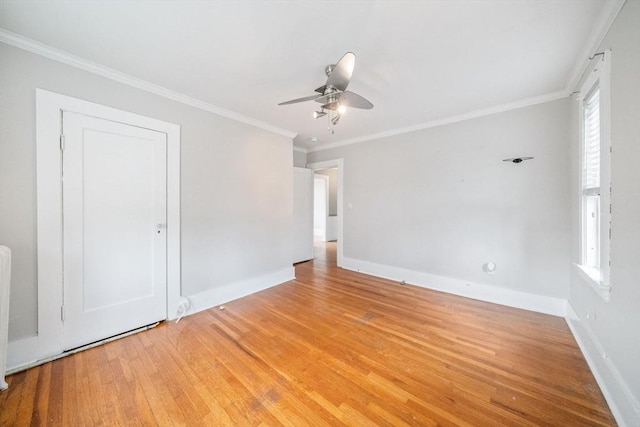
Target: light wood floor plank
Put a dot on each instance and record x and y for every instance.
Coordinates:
(332, 347)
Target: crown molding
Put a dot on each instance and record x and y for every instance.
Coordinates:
(300, 149)
(58, 55)
(453, 119)
(610, 11)
(607, 15)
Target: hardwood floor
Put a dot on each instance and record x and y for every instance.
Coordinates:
(332, 347)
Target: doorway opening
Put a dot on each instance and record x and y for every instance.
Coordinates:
(324, 228)
(327, 204)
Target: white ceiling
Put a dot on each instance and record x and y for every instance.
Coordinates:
(418, 61)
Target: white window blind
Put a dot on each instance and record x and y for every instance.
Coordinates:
(591, 161)
(591, 180)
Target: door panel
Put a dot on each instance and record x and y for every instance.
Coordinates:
(302, 214)
(114, 211)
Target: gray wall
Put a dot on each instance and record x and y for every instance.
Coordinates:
(299, 159)
(236, 214)
(333, 189)
(442, 201)
(615, 325)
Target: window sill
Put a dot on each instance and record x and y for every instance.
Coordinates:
(592, 277)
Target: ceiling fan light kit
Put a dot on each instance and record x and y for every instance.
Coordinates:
(333, 95)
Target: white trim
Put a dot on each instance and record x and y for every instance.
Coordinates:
(591, 276)
(49, 208)
(30, 363)
(600, 75)
(22, 353)
(232, 291)
(453, 119)
(300, 149)
(174, 246)
(624, 406)
(47, 51)
(5, 287)
(606, 16)
(25, 353)
(465, 288)
(339, 164)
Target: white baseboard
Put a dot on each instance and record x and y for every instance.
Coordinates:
(216, 296)
(22, 353)
(624, 406)
(479, 291)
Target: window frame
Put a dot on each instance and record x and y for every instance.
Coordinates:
(598, 75)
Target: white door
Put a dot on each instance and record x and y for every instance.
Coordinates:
(114, 234)
(302, 214)
(320, 206)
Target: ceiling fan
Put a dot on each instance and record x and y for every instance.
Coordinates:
(333, 95)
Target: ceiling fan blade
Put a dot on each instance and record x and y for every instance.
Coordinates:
(327, 99)
(342, 71)
(347, 98)
(353, 100)
(306, 98)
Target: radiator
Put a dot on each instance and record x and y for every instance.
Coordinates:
(5, 279)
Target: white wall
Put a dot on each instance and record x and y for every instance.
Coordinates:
(610, 331)
(236, 214)
(332, 220)
(437, 204)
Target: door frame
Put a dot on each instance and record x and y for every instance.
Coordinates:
(49, 107)
(325, 180)
(339, 165)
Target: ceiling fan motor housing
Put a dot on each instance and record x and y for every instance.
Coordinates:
(333, 95)
(328, 69)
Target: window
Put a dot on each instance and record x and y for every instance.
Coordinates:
(595, 188)
(591, 180)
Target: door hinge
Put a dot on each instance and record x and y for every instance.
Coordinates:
(62, 313)
(61, 142)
